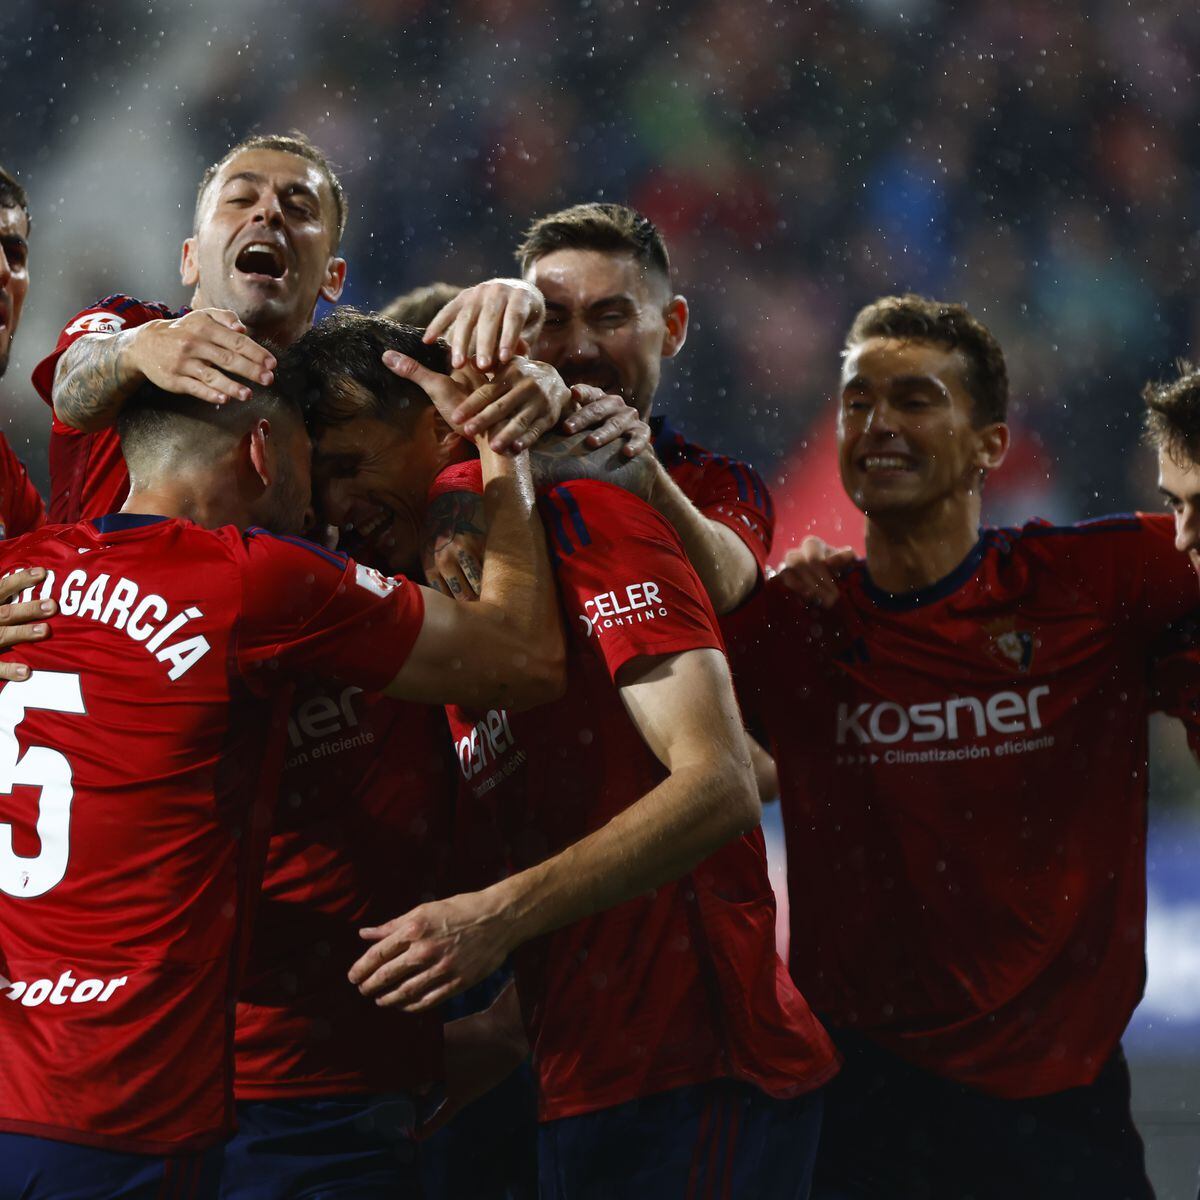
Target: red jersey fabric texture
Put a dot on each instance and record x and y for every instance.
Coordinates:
(361, 834)
(729, 492)
(21, 507)
(87, 471)
(140, 763)
(678, 986)
(963, 780)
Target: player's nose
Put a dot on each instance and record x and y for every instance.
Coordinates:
(5, 270)
(1187, 530)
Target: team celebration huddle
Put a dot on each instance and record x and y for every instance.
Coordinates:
(387, 708)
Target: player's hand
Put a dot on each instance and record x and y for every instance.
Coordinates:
(610, 418)
(812, 570)
(521, 402)
(447, 392)
(481, 1051)
(22, 622)
(205, 353)
(433, 952)
(489, 321)
(453, 545)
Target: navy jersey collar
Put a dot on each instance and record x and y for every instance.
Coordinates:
(946, 586)
(119, 521)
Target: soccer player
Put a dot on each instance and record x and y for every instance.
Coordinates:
(150, 733)
(668, 1041)
(961, 740)
(611, 317)
(268, 222)
(21, 508)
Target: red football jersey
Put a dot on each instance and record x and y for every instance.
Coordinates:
(138, 766)
(678, 986)
(87, 470)
(963, 778)
(361, 834)
(21, 507)
(723, 489)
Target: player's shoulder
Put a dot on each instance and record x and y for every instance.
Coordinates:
(257, 543)
(580, 512)
(1118, 531)
(112, 313)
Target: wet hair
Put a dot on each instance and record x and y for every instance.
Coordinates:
(1173, 415)
(291, 143)
(336, 369)
(163, 430)
(919, 319)
(609, 228)
(421, 305)
(12, 195)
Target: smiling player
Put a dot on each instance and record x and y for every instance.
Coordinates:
(961, 742)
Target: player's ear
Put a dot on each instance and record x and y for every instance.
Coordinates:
(334, 281)
(262, 451)
(675, 315)
(993, 446)
(189, 268)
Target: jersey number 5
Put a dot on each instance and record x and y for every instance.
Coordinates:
(42, 768)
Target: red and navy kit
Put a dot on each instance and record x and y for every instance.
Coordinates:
(963, 779)
(361, 831)
(729, 492)
(674, 988)
(140, 762)
(87, 470)
(21, 507)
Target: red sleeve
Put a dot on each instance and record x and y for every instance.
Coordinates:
(626, 586)
(113, 314)
(309, 612)
(21, 508)
(731, 493)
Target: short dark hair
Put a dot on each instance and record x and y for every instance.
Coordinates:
(611, 228)
(290, 143)
(1173, 415)
(12, 195)
(919, 319)
(419, 306)
(336, 369)
(158, 427)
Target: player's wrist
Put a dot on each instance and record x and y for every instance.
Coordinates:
(132, 350)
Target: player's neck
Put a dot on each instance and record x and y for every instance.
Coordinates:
(208, 508)
(278, 335)
(906, 554)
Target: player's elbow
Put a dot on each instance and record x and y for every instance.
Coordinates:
(738, 807)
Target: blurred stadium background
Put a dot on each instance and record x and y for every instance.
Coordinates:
(1036, 159)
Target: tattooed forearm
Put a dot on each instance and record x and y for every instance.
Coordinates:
(452, 516)
(92, 382)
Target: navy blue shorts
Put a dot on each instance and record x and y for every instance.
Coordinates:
(716, 1141)
(489, 1150)
(894, 1130)
(34, 1168)
(327, 1148)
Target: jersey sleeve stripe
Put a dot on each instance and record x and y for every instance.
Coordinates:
(576, 517)
(554, 517)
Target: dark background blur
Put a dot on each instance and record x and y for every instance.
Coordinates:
(1036, 160)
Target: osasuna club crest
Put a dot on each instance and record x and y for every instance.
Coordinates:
(1010, 645)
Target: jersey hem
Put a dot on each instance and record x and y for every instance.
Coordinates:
(554, 1110)
(125, 1145)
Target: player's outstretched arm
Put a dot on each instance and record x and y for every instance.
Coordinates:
(725, 564)
(506, 650)
(205, 353)
(683, 706)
